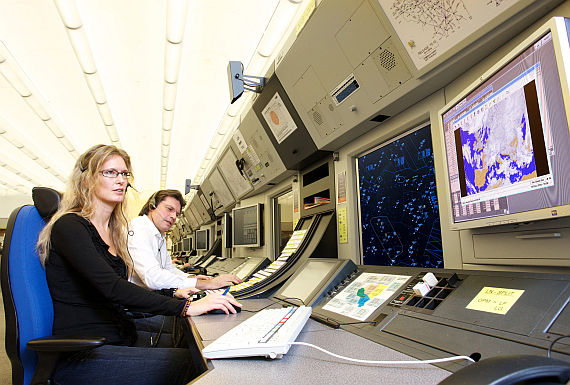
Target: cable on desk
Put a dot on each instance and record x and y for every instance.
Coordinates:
(555, 341)
(283, 300)
(435, 361)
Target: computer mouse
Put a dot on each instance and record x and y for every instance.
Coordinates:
(220, 311)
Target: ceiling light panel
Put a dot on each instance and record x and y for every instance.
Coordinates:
(49, 61)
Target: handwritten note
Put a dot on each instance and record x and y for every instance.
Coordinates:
(495, 300)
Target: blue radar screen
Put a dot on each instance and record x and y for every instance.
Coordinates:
(398, 203)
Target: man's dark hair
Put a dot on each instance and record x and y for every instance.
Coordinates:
(158, 197)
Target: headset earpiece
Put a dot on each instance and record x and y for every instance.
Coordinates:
(152, 201)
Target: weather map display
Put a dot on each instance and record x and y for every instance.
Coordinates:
(398, 203)
(365, 294)
(501, 140)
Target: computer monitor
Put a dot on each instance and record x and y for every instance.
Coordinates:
(507, 138)
(399, 216)
(310, 280)
(246, 226)
(201, 238)
(187, 244)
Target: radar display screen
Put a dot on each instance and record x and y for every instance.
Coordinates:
(399, 213)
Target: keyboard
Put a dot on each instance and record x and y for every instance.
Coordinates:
(268, 333)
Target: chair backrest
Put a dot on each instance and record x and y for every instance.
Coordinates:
(27, 301)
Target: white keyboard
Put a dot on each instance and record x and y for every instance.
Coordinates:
(268, 333)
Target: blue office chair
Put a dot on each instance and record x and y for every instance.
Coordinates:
(32, 351)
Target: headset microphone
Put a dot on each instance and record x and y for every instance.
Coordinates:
(131, 186)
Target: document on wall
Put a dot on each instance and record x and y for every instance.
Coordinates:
(429, 29)
(278, 118)
(365, 294)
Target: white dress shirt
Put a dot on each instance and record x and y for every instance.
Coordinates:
(153, 266)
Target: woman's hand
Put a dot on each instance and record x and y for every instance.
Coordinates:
(213, 301)
(185, 292)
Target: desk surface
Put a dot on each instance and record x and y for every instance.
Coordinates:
(303, 365)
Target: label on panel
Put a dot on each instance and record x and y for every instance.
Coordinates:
(430, 28)
(240, 141)
(342, 226)
(278, 118)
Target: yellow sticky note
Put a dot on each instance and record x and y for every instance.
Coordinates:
(342, 225)
(495, 300)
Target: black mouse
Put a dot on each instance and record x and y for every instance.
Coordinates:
(220, 311)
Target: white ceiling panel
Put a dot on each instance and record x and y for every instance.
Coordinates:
(127, 40)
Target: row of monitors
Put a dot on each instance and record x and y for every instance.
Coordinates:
(245, 226)
(506, 139)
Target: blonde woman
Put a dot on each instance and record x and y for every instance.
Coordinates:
(84, 251)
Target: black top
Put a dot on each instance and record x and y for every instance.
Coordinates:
(89, 286)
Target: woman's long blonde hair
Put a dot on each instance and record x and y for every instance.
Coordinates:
(79, 199)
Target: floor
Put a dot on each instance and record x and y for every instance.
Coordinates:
(5, 369)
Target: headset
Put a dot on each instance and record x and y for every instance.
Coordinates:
(152, 201)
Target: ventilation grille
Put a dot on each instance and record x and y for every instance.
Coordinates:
(387, 59)
(318, 118)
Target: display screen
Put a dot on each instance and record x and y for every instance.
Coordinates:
(246, 268)
(187, 244)
(246, 226)
(507, 141)
(201, 239)
(310, 278)
(399, 212)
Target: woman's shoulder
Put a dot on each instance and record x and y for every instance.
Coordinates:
(70, 220)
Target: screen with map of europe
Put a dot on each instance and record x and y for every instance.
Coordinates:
(507, 138)
(399, 212)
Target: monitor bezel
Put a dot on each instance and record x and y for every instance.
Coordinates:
(196, 235)
(258, 227)
(557, 27)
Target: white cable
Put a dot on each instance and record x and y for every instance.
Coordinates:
(454, 358)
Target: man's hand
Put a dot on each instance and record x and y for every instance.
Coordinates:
(223, 280)
(185, 292)
(200, 276)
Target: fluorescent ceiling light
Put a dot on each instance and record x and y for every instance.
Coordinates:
(112, 133)
(167, 119)
(172, 58)
(96, 87)
(281, 19)
(80, 45)
(169, 96)
(54, 128)
(37, 105)
(176, 13)
(105, 113)
(68, 13)
(166, 134)
(14, 78)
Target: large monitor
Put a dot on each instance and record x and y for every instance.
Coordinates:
(201, 238)
(399, 215)
(507, 137)
(246, 226)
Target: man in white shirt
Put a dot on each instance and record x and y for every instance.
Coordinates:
(153, 266)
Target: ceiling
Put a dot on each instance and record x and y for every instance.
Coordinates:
(54, 103)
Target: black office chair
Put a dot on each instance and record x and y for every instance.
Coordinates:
(32, 351)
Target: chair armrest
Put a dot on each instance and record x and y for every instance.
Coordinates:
(65, 343)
